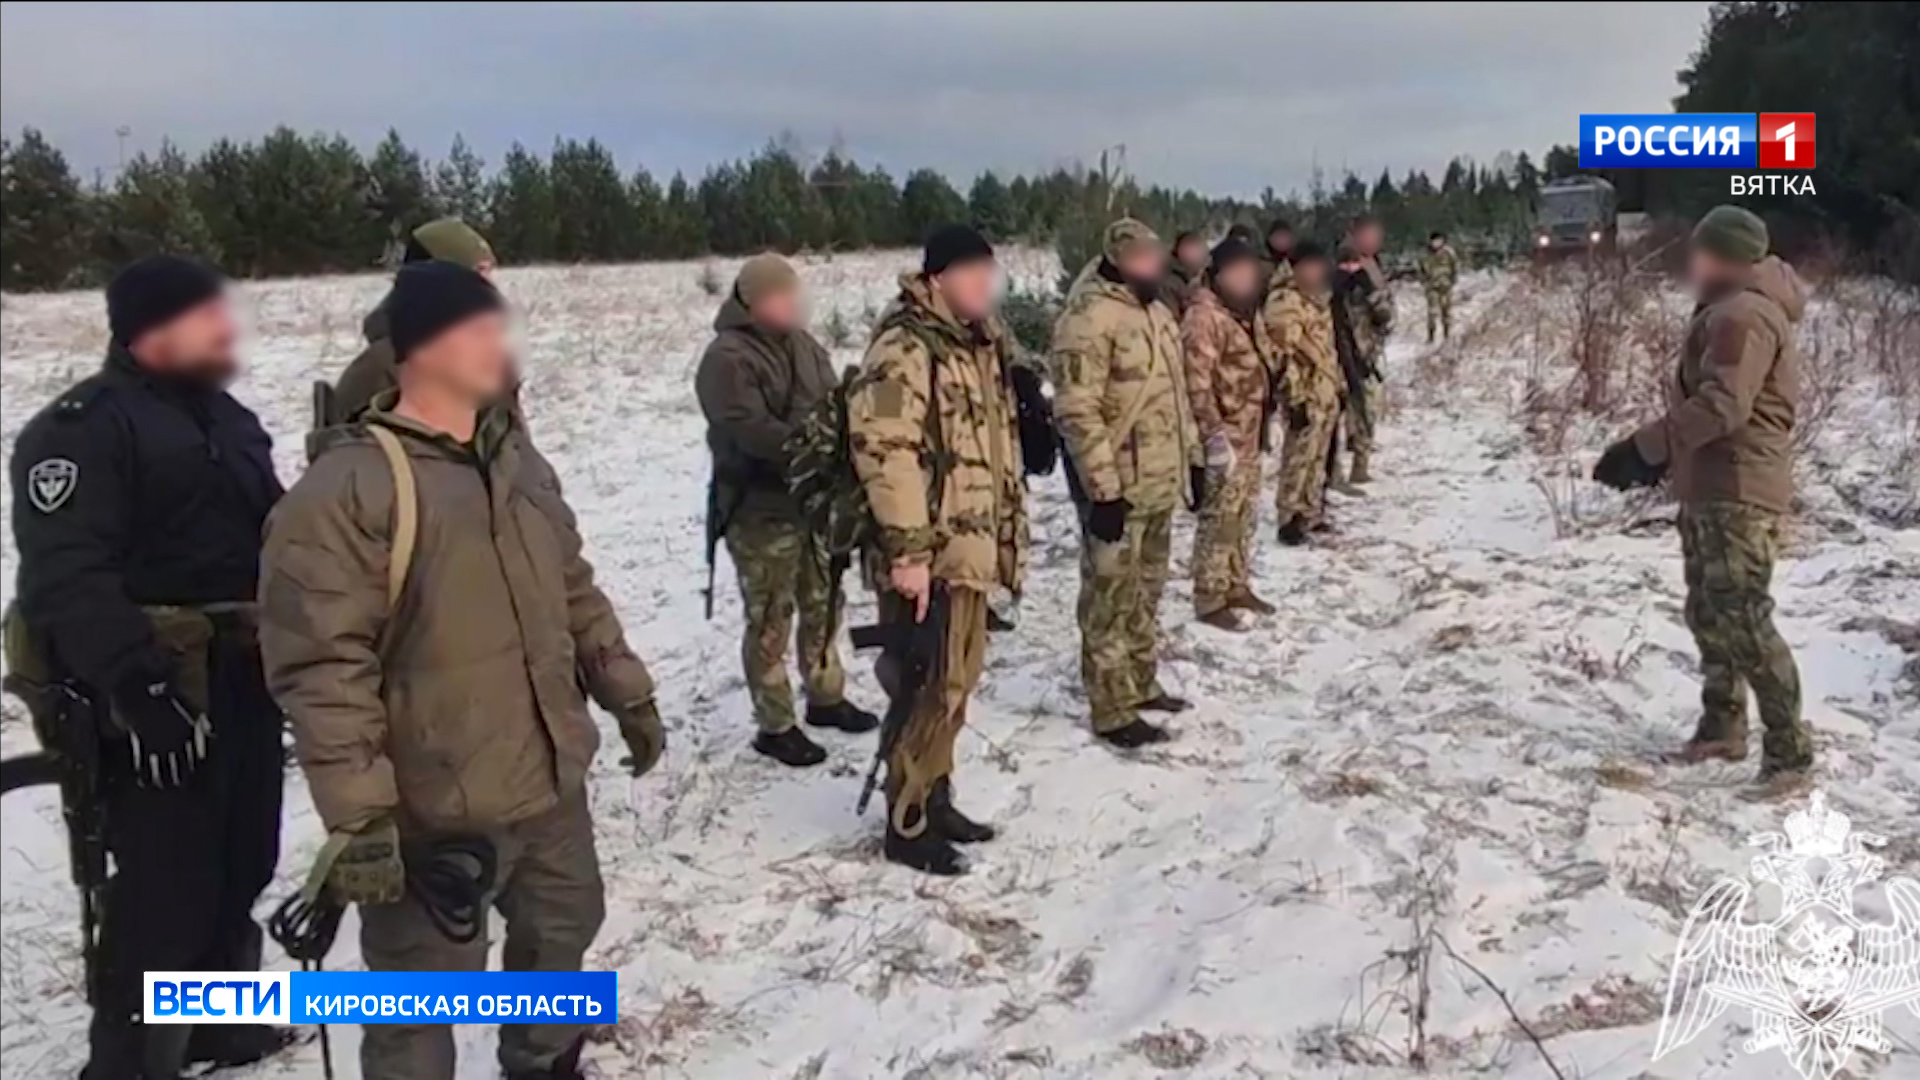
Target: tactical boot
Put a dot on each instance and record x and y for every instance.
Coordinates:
(1293, 532)
(564, 1067)
(842, 716)
(1248, 600)
(949, 822)
(1698, 751)
(227, 1046)
(930, 852)
(1228, 619)
(1135, 735)
(1780, 782)
(1362, 473)
(1165, 702)
(790, 747)
(1323, 526)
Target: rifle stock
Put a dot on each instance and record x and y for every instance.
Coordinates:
(916, 652)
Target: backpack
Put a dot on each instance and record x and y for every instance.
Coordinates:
(824, 484)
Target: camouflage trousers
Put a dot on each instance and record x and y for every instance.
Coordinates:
(1303, 464)
(1357, 424)
(923, 755)
(781, 576)
(1729, 553)
(1223, 541)
(551, 895)
(1439, 310)
(1120, 588)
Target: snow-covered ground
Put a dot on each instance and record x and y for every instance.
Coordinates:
(1431, 775)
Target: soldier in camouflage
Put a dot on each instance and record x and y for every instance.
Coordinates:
(1278, 253)
(1439, 269)
(939, 350)
(1363, 317)
(1229, 376)
(1126, 424)
(1726, 446)
(1299, 317)
(1184, 271)
(757, 382)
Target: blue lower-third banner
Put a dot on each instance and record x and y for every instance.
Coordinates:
(453, 997)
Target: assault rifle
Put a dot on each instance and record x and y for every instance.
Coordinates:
(67, 722)
(723, 501)
(913, 658)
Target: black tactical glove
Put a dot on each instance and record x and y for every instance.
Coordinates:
(1107, 521)
(1622, 468)
(167, 736)
(1196, 486)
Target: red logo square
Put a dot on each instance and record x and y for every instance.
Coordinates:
(1786, 140)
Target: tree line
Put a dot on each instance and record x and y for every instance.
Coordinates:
(293, 204)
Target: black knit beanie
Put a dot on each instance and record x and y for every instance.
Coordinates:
(156, 290)
(1230, 251)
(430, 298)
(951, 245)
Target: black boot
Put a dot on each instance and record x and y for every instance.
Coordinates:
(842, 716)
(949, 822)
(564, 1067)
(1293, 532)
(931, 852)
(227, 1046)
(790, 747)
(1136, 735)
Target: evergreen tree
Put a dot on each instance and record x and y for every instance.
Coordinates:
(592, 221)
(42, 228)
(151, 211)
(684, 226)
(992, 207)
(926, 203)
(521, 209)
(398, 196)
(460, 185)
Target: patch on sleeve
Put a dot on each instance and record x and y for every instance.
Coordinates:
(889, 400)
(51, 483)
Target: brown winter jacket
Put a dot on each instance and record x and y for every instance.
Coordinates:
(756, 388)
(978, 538)
(1728, 432)
(1229, 371)
(462, 708)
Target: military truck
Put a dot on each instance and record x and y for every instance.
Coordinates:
(1575, 215)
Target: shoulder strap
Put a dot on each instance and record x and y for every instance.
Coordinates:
(406, 512)
(1124, 429)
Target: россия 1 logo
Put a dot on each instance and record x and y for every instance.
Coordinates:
(1740, 142)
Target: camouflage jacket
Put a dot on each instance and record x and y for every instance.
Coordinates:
(1229, 371)
(1178, 293)
(977, 538)
(1302, 330)
(1109, 349)
(1439, 268)
(1369, 310)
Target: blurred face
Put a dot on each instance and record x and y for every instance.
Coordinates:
(1368, 238)
(969, 288)
(468, 360)
(1143, 262)
(1312, 274)
(1240, 280)
(1192, 254)
(781, 311)
(1435, 242)
(484, 269)
(1281, 241)
(1707, 271)
(197, 345)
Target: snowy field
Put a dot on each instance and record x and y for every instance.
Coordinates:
(1414, 825)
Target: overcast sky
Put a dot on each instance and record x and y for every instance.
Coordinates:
(1225, 97)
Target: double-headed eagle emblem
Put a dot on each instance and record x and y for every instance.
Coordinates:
(1817, 977)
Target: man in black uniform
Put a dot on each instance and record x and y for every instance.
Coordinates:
(139, 497)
